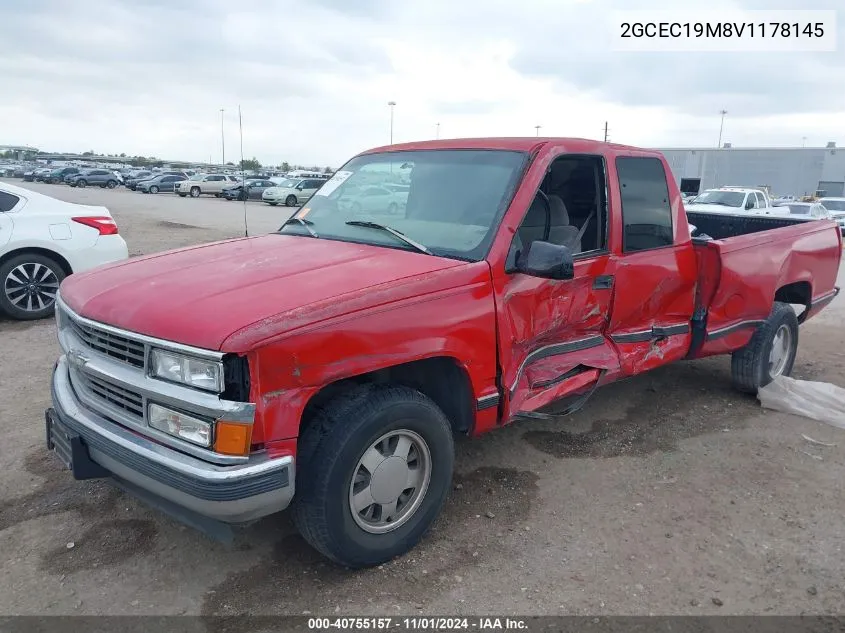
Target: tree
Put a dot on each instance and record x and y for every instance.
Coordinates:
(328, 170)
(230, 163)
(90, 152)
(251, 163)
(285, 166)
(315, 168)
(122, 155)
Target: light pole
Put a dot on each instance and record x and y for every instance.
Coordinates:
(437, 133)
(803, 141)
(537, 130)
(392, 104)
(721, 127)
(222, 138)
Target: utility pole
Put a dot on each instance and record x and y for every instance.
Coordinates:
(721, 127)
(222, 138)
(605, 131)
(437, 133)
(392, 104)
(803, 141)
(537, 129)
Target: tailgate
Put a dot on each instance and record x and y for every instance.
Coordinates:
(740, 277)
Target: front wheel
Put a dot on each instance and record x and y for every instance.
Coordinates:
(770, 352)
(272, 204)
(182, 195)
(195, 192)
(290, 201)
(375, 469)
(154, 189)
(81, 183)
(111, 184)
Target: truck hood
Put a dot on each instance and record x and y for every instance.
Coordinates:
(203, 294)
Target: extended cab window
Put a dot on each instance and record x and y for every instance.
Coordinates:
(646, 212)
(7, 201)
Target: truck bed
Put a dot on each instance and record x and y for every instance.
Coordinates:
(753, 261)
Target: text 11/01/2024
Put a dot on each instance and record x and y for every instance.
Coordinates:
(745, 31)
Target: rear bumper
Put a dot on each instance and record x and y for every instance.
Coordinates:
(107, 249)
(231, 494)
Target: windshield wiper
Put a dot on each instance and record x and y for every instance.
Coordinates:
(306, 223)
(393, 232)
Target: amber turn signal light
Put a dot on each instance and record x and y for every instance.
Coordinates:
(232, 438)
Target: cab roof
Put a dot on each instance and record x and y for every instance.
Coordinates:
(529, 144)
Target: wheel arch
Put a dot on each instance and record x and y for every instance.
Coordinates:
(796, 293)
(440, 378)
(45, 252)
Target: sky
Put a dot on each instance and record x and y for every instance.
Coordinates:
(313, 79)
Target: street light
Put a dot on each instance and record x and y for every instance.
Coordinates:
(721, 127)
(222, 138)
(392, 104)
(537, 129)
(437, 134)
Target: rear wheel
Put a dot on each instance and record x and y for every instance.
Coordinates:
(290, 201)
(770, 352)
(195, 192)
(30, 283)
(111, 184)
(375, 469)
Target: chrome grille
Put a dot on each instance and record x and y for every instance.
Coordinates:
(126, 400)
(114, 345)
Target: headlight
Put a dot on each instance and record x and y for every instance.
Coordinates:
(187, 370)
(180, 425)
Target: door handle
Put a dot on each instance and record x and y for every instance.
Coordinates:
(603, 282)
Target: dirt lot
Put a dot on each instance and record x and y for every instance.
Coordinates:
(668, 494)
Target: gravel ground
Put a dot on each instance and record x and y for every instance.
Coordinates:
(668, 494)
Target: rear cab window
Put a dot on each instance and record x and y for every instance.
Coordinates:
(646, 210)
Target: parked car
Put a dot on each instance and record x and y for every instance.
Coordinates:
(200, 184)
(159, 183)
(379, 199)
(292, 192)
(733, 200)
(104, 178)
(836, 206)
(41, 175)
(328, 365)
(254, 188)
(808, 210)
(20, 172)
(42, 241)
(136, 177)
(59, 175)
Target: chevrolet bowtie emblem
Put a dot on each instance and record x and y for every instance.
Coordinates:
(75, 357)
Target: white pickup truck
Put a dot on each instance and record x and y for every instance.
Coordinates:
(735, 200)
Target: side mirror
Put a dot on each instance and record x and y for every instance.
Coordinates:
(546, 260)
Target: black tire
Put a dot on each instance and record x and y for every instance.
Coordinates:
(30, 262)
(195, 192)
(111, 184)
(154, 189)
(750, 365)
(291, 201)
(182, 195)
(328, 454)
(82, 183)
(272, 204)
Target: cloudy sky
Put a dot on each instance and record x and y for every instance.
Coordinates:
(313, 78)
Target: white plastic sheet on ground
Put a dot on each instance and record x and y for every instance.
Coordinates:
(815, 400)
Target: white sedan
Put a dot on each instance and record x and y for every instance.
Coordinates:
(42, 241)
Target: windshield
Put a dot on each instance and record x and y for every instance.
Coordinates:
(833, 205)
(288, 183)
(726, 198)
(449, 201)
(197, 177)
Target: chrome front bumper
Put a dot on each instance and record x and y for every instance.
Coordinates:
(228, 493)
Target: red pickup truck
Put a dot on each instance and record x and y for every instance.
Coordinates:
(426, 290)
